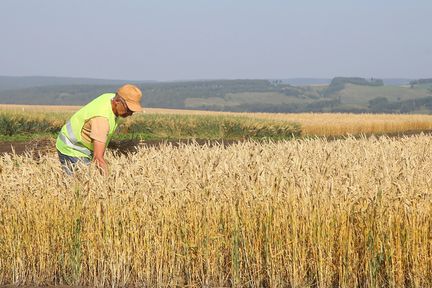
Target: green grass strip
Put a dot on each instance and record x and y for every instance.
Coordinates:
(30, 126)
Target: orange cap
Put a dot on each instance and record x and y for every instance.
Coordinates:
(132, 95)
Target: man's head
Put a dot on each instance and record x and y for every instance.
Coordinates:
(127, 101)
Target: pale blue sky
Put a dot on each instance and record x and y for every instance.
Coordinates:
(192, 39)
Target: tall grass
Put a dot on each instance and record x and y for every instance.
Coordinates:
(304, 213)
(210, 127)
(19, 124)
(154, 126)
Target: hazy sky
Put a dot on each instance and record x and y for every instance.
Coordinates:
(208, 39)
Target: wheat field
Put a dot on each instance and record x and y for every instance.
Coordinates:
(301, 213)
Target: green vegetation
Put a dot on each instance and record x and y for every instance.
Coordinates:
(407, 106)
(211, 127)
(421, 82)
(338, 84)
(17, 126)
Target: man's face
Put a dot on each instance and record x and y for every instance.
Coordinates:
(122, 108)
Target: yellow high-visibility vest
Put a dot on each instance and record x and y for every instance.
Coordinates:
(69, 141)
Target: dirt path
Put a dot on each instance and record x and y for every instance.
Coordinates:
(43, 146)
(125, 146)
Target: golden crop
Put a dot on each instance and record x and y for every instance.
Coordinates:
(302, 213)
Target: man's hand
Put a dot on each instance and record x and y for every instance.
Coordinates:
(98, 157)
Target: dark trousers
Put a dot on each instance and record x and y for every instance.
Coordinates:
(69, 164)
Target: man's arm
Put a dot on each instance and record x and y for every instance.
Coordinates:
(98, 135)
(98, 156)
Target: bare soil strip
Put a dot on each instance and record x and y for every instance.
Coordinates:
(125, 146)
(41, 146)
(45, 146)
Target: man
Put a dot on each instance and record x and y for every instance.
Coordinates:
(87, 133)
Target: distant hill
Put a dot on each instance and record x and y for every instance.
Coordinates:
(339, 83)
(192, 94)
(341, 94)
(396, 81)
(306, 81)
(427, 82)
(327, 81)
